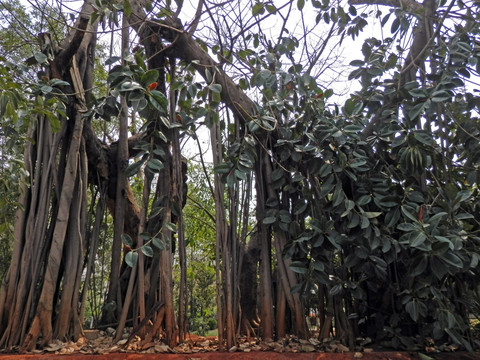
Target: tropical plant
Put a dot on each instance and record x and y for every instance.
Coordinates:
(365, 211)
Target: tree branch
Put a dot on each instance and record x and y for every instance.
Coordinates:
(67, 53)
(411, 6)
(193, 26)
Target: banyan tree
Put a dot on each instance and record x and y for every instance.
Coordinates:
(361, 215)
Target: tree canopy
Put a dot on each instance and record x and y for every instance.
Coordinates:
(357, 206)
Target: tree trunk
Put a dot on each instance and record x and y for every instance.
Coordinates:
(266, 285)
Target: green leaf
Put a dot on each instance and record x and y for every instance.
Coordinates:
(419, 267)
(338, 196)
(58, 82)
(53, 120)
(134, 168)
(241, 175)
(277, 174)
(149, 77)
(407, 213)
(417, 239)
(413, 309)
(216, 88)
(437, 217)
(395, 25)
(300, 4)
(336, 290)
(298, 267)
(223, 168)
(271, 8)
(158, 243)
(155, 165)
(131, 258)
(112, 60)
(357, 63)
(126, 239)
(418, 93)
(317, 265)
(46, 89)
(269, 220)
(443, 239)
(463, 195)
(407, 227)
(365, 222)
(147, 250)
(349, 107)
(416, 110)
(357, 163)
(40, 57)
(464, 216)
(364, 200)
(452, 259)
(158, 100)
(171, 226)
(353, 128)
(130, 85)
(372, 214)
(300, 207)
(258, 9)
(441, 96)
(424, 138)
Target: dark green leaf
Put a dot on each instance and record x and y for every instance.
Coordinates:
(424, 138)
(420, 266)
(407, 213)
(131, 258)
(155, 165)
(365, 222)
(127, 240)
(134, 168)
(298, 267)
(452, 259)
(223, 168)
(149, 77)
(338, 196)
(277, 174)
(158, 243)
(147, 250)
(258, 9)
(407, 227)
(413, 309)
(269, 220)
(300, 207)
(112, 60)
(417, 239)
(416, 111)
(158, 100)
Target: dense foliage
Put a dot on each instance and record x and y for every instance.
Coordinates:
(384, 220)
(360, 209)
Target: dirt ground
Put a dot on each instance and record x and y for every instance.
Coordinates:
(99, 347)
(389, 355)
